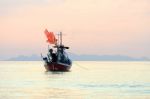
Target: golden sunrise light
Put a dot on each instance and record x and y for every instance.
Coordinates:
(101, 26)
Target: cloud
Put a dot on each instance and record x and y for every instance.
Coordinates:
(18, 3)
(7, 6)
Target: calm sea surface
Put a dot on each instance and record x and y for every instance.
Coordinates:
(86, 80)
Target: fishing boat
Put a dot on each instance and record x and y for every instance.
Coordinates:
(58, 60)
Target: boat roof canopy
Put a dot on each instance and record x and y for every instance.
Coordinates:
(61, 46)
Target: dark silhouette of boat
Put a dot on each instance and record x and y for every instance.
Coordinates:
(58, 60)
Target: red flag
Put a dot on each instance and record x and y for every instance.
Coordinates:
(50, 37)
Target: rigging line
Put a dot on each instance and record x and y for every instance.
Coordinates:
(80, 66)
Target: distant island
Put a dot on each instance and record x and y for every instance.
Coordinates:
(76, 57)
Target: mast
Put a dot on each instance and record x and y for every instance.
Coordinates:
(59, 41)
(60, 38)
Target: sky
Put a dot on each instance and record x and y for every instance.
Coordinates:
(100, 27)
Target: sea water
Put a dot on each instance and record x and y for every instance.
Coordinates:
(86, 80)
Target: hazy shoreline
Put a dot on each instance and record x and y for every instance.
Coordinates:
(76, 57)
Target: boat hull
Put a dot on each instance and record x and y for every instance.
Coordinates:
(57, 67)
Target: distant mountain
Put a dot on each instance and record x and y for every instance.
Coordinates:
(25, 58)
(76, 57)
(106, 58)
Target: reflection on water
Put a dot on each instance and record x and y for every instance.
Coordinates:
(87, 80)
